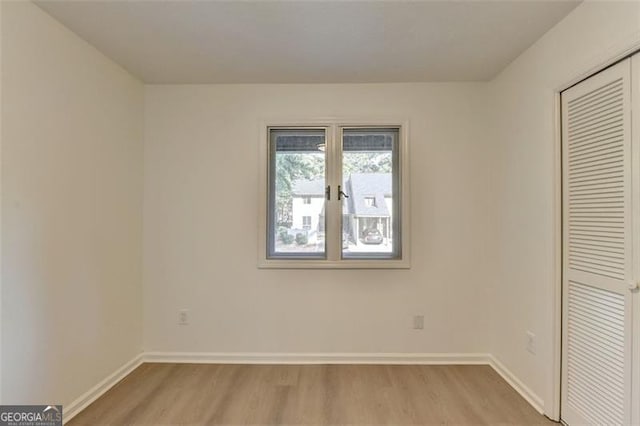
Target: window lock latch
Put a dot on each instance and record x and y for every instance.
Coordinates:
(341, 194)
(327, 192)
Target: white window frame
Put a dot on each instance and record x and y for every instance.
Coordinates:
(333, 128)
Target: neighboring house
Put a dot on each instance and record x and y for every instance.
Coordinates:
(369, 205)
(308, 205)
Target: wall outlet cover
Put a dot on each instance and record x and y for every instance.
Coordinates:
(183, 317)
(531, 342)
(418, 322)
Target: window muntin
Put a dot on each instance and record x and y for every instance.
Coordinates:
(297, 171)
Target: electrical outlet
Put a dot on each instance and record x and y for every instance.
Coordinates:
(531, 342)
(418, 322)
(183, 317)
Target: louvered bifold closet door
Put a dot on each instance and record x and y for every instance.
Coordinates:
(596, 358)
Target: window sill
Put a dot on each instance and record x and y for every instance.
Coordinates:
(327, 264)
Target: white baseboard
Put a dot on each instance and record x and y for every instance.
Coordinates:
(534, 400)
(315, 358)
(71, 410)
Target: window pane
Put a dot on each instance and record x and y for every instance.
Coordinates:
(370, 219)
(297, 193)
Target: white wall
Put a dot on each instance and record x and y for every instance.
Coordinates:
(72, 131)
(200, 226)
(521, 126)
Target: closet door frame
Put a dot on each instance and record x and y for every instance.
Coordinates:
(635, 223)
(627, 49)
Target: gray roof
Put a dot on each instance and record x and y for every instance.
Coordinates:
(359, 186)
(308, 188)
(363, 185)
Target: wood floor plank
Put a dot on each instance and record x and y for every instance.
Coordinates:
(310, 395)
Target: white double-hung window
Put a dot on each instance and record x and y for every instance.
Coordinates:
(334, 195)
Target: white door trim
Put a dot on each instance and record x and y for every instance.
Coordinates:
(552, 409)
(635, 223)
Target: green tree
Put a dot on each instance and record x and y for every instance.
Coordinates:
(366, 162)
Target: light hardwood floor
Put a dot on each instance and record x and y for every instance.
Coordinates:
(201, 394)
